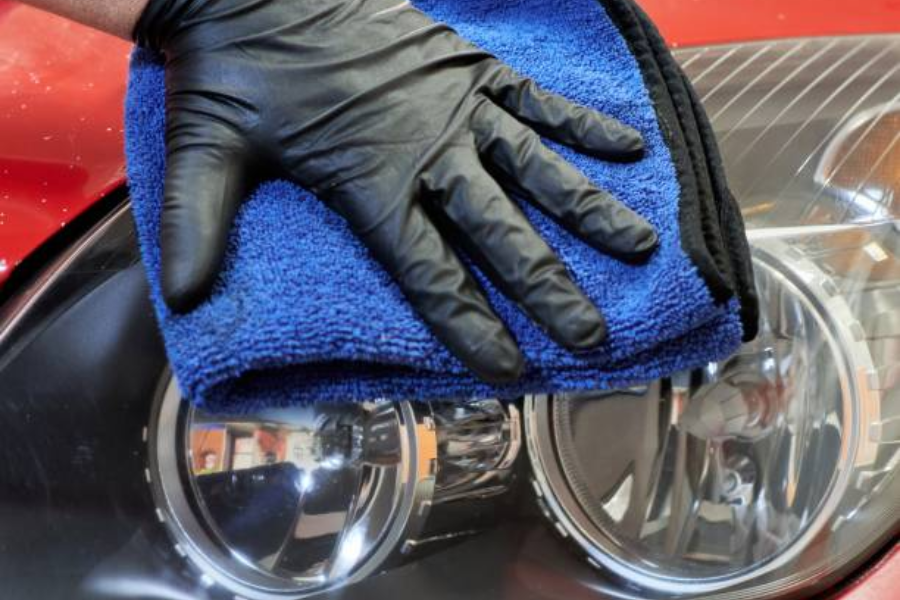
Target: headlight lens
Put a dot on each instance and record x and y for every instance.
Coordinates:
(777, 468)
(294, 501)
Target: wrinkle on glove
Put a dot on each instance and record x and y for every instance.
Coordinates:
(302, 312)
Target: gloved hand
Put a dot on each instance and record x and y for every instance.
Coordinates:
(406, 130)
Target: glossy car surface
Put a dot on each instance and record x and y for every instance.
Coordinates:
(61, 89)
(63, 84)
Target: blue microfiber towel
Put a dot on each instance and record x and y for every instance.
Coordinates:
(302, 313)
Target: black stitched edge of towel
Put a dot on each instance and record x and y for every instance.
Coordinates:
(680, 98)
(732, 221)
(700, 136)
(700, 236)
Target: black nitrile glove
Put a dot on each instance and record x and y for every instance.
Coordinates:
(395, 122)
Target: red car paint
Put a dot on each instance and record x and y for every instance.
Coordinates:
(880, 582)
(61, 90)
(701, 22)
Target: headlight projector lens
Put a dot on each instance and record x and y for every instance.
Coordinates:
(285, 503)
(742, 479)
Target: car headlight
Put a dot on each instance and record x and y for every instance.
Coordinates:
(293, 501)
(777, 469)
(774, 473)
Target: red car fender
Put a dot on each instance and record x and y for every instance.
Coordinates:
(61, 89)
(879, 582)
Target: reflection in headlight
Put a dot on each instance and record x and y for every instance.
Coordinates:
(861, 165)
(303, 499)
(303, 493)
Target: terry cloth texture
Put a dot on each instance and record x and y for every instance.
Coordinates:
(302, 313)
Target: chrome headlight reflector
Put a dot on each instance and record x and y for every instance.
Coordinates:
(762, 469)
(290, 502)
(295, 500)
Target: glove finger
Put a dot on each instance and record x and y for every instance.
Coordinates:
(206, 180)
(541, 175)
(440, 289)
(503, 241)
(556, 118)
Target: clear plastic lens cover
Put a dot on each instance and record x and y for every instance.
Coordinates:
(809, 129)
